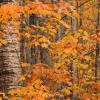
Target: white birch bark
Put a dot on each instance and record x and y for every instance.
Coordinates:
(10, 67)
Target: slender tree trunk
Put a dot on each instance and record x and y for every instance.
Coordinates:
(81, 14)
(74, 69)
(97, 59)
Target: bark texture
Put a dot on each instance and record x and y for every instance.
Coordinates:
(74, 25)
(10, 69)
(97, 58)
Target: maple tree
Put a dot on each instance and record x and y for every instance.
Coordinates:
(43, 30)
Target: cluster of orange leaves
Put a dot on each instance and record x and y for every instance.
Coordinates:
(36, 86)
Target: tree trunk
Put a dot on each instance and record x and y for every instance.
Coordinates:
(74, 68)
(97, 58)
(10, 68)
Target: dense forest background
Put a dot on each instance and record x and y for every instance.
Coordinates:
(49, 50)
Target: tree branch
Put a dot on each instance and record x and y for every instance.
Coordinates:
(83, 3)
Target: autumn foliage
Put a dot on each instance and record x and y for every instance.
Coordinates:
(55, 81)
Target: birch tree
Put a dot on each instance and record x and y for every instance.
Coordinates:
(10, 64)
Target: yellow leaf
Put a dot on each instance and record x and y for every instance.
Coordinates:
(22, 77)
(85, 33)
(43, 39)
(90, 71)
(80, 30)
(27, 35)
(12, 92)
(25, 64)
(81, 71)
(85, 66)
(44, 45)
(77, 35)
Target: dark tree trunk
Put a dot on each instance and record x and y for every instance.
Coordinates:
(97, 59)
